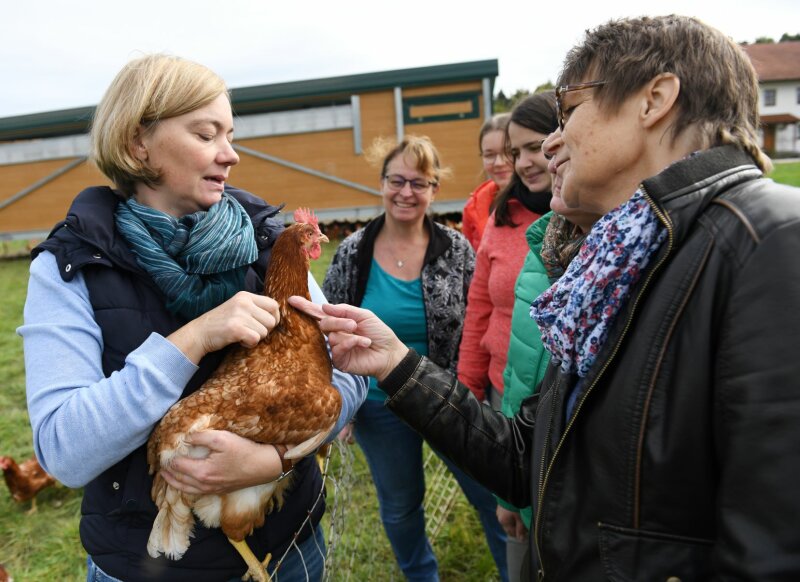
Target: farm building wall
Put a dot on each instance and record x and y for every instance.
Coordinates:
(299, 150)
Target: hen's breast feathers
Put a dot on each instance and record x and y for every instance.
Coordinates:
(277, 392)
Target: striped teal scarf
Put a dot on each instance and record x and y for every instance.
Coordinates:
(199, 260)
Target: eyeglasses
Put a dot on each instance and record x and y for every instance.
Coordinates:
(490, 158)
(395, 183)
(566, 89)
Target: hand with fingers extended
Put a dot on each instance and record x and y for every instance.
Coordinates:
(222, 462)
(360, 342)
(246, 318)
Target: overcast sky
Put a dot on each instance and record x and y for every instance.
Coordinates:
(57, 54)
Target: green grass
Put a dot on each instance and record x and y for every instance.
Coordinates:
(45, 545)
(786, 173)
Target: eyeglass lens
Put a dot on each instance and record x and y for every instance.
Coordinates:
(396, 183)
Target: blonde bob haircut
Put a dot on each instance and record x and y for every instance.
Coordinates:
(419, 150)
(145, 91)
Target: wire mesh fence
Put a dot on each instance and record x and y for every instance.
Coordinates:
(357, 549)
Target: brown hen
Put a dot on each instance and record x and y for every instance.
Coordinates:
(277, 392)
(26, 480)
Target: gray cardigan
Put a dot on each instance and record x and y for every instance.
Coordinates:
(446, 274)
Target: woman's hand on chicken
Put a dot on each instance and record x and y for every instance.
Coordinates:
(360, 342)
(246, 318)
(232, 463)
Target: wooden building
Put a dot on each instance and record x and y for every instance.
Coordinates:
(301, 143)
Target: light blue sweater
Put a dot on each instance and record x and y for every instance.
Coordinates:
(78, 431)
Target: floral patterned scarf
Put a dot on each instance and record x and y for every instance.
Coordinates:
(576, 313)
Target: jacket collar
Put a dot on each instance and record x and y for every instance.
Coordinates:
(687, 187)
(91, 220)
(438, 244)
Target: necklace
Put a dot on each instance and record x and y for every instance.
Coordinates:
(410, 250)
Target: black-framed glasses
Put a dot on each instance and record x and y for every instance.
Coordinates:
(395, 183)
(566, 89)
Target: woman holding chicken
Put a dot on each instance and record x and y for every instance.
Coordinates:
(135, 294)
(415, 273)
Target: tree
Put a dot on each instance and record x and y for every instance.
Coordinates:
(504, 103)
(501, 103)
(765, 40)
(786, 37)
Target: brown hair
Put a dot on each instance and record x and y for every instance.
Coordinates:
(537, 113)
(418, 148)
(144, 92)
(497, 122)
(719, 87)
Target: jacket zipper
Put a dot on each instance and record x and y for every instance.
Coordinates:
(664, 219)
(540, 489)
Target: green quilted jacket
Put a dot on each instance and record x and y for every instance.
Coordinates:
(527, 358)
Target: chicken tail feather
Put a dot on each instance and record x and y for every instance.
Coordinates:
(173, 525)
(308, 446)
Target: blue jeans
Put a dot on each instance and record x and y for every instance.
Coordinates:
(95, 574)
(394, 454)
(305, 562)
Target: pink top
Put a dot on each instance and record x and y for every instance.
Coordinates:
(484, 343)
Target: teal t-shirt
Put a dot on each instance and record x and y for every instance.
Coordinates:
(399, 304)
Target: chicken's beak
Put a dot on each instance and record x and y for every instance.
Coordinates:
(323, 238)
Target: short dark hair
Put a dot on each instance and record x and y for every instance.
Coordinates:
(536, 112)
(719, 87)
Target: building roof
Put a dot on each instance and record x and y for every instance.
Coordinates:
(779, 61)
(263, 98)
(779, 118)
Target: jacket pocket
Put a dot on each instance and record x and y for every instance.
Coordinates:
(630, 555)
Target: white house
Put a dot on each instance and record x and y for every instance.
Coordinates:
(778, 68)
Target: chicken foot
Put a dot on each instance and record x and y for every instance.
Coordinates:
(255, 569)
(32, 510)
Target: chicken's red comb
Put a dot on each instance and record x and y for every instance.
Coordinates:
(306, 215)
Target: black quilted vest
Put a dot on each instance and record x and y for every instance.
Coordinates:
(117, 511)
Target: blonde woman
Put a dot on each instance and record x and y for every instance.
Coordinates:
(135, 294)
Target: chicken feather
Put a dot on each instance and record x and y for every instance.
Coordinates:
(277, 392)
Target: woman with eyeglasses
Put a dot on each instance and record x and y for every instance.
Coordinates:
(663, 436)
(415, 274)
(503, 248)
(136, 294)
(491, 141)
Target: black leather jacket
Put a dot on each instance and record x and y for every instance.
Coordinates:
(682, 455)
